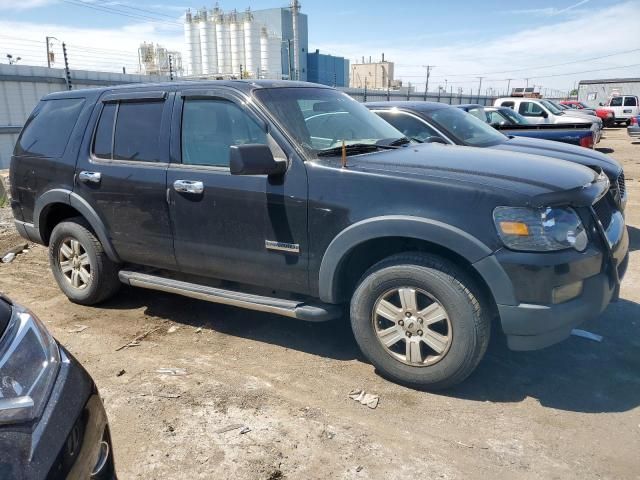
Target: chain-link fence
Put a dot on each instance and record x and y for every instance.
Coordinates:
(366, 95)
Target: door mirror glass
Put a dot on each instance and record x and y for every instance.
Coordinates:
(544, 114)
(254, 159)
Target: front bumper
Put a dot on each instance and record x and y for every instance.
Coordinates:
(534, 321)
(65, 442)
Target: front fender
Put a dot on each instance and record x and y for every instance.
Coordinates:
(439, 233)
(74, 200)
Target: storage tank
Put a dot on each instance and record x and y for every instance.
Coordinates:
(223, 44)
(192, 42)
(275, 57)
(252, 51)
(237, 43)
(264, 53)
(209, 53)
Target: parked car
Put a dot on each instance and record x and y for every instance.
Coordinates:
(52, 421)
(294, 199)
(607, 115)
(581, 111)
(511, 123)
(624, 107)
(634, 127)
(543, 111)
(430, 121)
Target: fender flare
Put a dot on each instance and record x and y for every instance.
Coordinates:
(433, 231)
(74, 200)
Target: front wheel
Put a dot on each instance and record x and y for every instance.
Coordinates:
(420, 320)
(82, 269)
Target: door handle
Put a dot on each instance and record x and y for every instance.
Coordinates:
(188, 186)
(90, 177)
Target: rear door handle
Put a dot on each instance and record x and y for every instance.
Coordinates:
(90, 177)
(188, 186)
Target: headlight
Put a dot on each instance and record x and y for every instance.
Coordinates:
(29, 363)
(540, 229)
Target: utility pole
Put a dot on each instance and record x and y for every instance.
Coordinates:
(527, 79)
(426, 84)
(508, 85)
(479, 87)
(50, 55)
(66, 66)
(171, 68)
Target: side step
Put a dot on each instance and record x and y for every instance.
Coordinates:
(287, 308)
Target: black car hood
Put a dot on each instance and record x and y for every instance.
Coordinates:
(525, 174)
(563, 151)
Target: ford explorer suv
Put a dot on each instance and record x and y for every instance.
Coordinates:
(294, 199)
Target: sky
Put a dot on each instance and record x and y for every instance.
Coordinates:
(552, 43)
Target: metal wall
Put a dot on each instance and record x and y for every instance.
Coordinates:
(327, 69)
(22, 86)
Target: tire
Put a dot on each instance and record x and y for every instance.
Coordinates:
(82, 269)
(443, 288)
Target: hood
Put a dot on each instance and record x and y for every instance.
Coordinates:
(570, 117)
(486, 168)
(563, 151)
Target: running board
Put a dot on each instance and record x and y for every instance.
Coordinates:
(287, 308)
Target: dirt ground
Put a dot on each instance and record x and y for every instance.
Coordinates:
(567, 412)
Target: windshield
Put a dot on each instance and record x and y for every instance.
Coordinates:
(514, 116)
(320, 119)
(555, 110)
(464, 128)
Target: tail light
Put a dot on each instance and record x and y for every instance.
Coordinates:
(634, 120)
(587, 142)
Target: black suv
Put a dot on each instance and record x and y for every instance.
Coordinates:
(294, 199)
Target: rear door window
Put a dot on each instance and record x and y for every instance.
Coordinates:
(47, 131)
(508, 104)
(137, 132)
(630, 101)
(103, 141)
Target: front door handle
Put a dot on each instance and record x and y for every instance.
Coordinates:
(188, 186)
(90, 177)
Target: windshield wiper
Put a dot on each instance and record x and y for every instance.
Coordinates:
(354, 148)
(398, 142)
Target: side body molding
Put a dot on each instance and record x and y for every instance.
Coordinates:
(74, 200)
(439, 233)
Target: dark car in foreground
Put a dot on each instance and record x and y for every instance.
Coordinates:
(52, 421)
(292, 198)
(430, 121)
(511, 123)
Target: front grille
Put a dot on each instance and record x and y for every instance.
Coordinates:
(621, 185)
(604, 210)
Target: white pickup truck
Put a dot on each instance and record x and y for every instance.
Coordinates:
(539, 110)
(625, 107)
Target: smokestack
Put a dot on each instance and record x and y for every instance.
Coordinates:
(382, 57)
(369, 58)
(295, 8)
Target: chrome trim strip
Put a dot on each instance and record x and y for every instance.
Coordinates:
(282, 246)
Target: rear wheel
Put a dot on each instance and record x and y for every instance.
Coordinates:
(420, 320)
(83, 271)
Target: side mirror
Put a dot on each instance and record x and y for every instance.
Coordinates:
(544, 115)
(601, 104)
(254, 159)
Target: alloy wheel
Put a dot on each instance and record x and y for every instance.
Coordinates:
(74, 263)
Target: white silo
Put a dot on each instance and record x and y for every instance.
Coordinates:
(252, 51)
(237, 43)
(192, 44)
(208, 42)
(223, 44)
(264, 53)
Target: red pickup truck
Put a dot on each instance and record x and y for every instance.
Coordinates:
(607, 115)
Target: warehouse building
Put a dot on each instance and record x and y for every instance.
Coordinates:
(327, 69)
(373, 75)
(270, 43)
(595, 92)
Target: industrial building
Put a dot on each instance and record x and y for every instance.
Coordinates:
(270, 43)
(373, 75)
(594, 92)
(157, 60)
(327, 69)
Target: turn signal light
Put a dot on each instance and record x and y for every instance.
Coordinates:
(514, 228)
(587, 142)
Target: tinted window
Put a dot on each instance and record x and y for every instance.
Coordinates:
(102, 142)
(478, 113)
(137, 134)
(630, 101)
(530, 109)
(210, 127)
(508, 104)
(616, 102)
(410, 126)
(495, 118)
(48, 129)
(463, 128)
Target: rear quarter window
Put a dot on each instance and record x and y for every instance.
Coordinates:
(49, 127)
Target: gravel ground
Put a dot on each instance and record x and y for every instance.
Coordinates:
(570, 411)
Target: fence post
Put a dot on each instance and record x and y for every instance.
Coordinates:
(365, 92)
(66, 66)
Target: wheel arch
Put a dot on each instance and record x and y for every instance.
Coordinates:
(364, 243)
(57, 205)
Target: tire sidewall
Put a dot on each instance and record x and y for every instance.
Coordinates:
(441, 287)
(72, 230)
